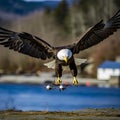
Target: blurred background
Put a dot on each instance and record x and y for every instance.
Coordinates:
(57, 21)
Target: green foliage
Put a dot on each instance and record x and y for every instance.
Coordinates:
(117, 2)
(61, 14)
(84, 5)
(47, 10)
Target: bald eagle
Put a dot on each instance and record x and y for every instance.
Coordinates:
(64, 55)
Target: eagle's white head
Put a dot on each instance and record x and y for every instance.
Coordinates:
(64, 54)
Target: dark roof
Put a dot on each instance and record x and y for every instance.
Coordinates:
(110, 64)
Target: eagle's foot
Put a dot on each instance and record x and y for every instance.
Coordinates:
(58, 81)
(75, 81)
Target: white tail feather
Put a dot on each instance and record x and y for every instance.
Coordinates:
(79, 61)
(50, 64)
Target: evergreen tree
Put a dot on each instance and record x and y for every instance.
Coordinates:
(61, 13)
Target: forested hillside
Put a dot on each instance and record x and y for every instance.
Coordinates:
(63, 25)
(23, 7)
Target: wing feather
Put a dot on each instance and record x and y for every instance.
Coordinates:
(26, 43)
(97, 33)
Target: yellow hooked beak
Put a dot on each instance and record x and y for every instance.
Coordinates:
(66, 59)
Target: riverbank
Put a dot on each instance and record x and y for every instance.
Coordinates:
(43, 77)
(87, 114)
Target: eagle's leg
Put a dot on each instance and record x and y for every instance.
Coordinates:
(73, 69)
(58, 71)
(75, 81)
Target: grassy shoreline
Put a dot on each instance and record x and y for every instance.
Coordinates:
(87, 114)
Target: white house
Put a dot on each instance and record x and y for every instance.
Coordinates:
(108, 69)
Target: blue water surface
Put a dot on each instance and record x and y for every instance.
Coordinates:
(36, 97)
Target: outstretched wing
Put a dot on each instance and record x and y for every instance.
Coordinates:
(26, 43)
(98, 33)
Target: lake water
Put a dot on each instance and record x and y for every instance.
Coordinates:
(36, 97)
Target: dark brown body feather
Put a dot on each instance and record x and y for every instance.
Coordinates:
(71, 64)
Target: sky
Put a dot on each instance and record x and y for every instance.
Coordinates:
(42, 0)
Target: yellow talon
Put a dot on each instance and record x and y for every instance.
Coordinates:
(58, 81)
(75, 81)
